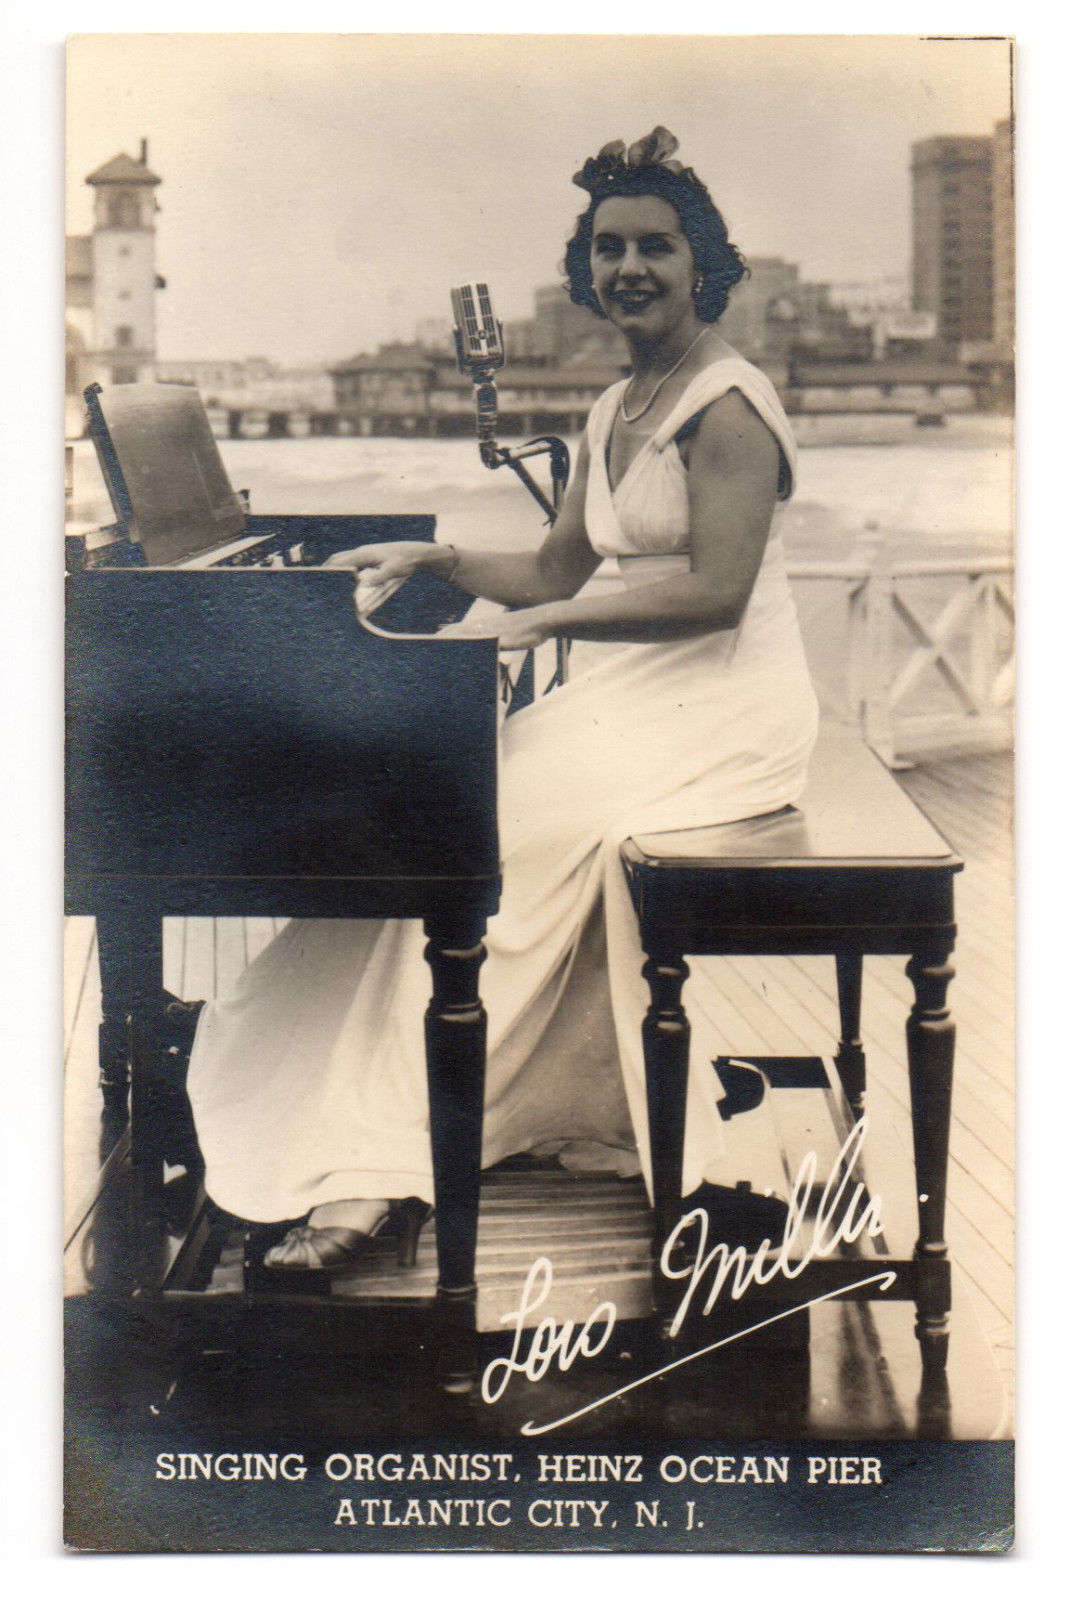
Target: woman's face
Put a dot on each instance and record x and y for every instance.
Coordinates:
(642, 266)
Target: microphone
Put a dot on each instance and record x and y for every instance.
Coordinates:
(480, 345)
(477, 331)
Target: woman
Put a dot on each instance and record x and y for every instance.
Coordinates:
(308, 1086)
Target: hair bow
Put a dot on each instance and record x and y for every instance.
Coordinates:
(615, 159)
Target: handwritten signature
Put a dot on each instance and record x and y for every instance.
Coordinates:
(844, 1213)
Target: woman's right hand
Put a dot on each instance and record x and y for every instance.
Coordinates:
(382, 564)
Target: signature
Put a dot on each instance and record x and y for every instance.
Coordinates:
(844, 1213)
(548, 1342)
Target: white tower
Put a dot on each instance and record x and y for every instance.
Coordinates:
(124, 280)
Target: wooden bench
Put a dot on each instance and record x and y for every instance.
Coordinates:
(854, 870)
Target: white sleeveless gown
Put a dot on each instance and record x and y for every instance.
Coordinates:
(308, 1083)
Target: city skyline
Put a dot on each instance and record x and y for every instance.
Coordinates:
(320, 194)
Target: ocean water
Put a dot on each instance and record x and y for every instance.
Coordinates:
(938, 491)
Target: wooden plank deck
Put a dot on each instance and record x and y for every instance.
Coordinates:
(764, 1006)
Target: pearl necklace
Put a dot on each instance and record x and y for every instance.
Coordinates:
(660, 383)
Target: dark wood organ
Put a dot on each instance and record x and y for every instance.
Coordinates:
(240, 743)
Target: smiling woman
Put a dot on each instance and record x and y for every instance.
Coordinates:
(308, 1083)
(686, 211)
(643, 270)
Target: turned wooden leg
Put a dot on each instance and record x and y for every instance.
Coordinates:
(666, 1045)
(850, 1056)
(931, 1051)
(142, 938)
(456, 1036)
(146, 1044)
(113, 1037)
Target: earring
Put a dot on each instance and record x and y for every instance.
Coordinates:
(697, 290)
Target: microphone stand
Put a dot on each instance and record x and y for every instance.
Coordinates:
(495, 455)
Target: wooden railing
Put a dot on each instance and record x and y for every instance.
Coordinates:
(918, 653)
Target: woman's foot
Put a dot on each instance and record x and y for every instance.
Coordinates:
(334, 1237)
(363, 1216)
(337, 1234)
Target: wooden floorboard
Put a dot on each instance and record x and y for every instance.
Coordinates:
(174, 950)
(983, 1186)
(199, 966)
(81, 1105)
(259, 933)
(989, 1103)
(79, 960)
(231, 953)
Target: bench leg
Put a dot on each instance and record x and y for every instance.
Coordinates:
(930, 1052)
(666, 1046)
(455, 1031)
(850, 1056)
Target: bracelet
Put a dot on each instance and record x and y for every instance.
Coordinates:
(454, 564)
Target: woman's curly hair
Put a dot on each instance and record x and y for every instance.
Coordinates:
(718, 261)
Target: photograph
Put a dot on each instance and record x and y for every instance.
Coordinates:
(538, 962)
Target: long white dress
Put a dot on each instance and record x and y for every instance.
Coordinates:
(308, 1083)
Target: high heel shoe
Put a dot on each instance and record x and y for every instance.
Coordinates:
(407, 1218)
(326, 1252)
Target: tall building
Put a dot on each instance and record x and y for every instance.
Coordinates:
(565, 333)
(1003, 285)
(112, 279)
(952, 254)
(435, 334)
(761, 317)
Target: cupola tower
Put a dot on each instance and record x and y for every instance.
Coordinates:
(124, 279)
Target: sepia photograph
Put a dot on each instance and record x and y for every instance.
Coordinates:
(538, 1004)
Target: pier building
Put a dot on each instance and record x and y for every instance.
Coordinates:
(405, 389)
(112, 279)
(563, 333)
(761, 318)
(1003, 253)
(952, 236)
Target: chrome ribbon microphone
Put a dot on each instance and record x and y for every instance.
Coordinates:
(480, 345)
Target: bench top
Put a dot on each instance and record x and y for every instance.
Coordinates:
(853, 814)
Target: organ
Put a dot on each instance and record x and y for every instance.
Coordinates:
(240, 743)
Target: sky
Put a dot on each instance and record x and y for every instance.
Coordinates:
(321, 193)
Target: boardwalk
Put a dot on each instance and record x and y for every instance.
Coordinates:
(768, 1007)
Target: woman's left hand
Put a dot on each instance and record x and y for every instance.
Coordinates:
(514, 630)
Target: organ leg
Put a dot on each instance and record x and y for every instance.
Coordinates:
(114, 1032)
(666, 1045)
(456, 1038)
(147, 1113)
(130, 947)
